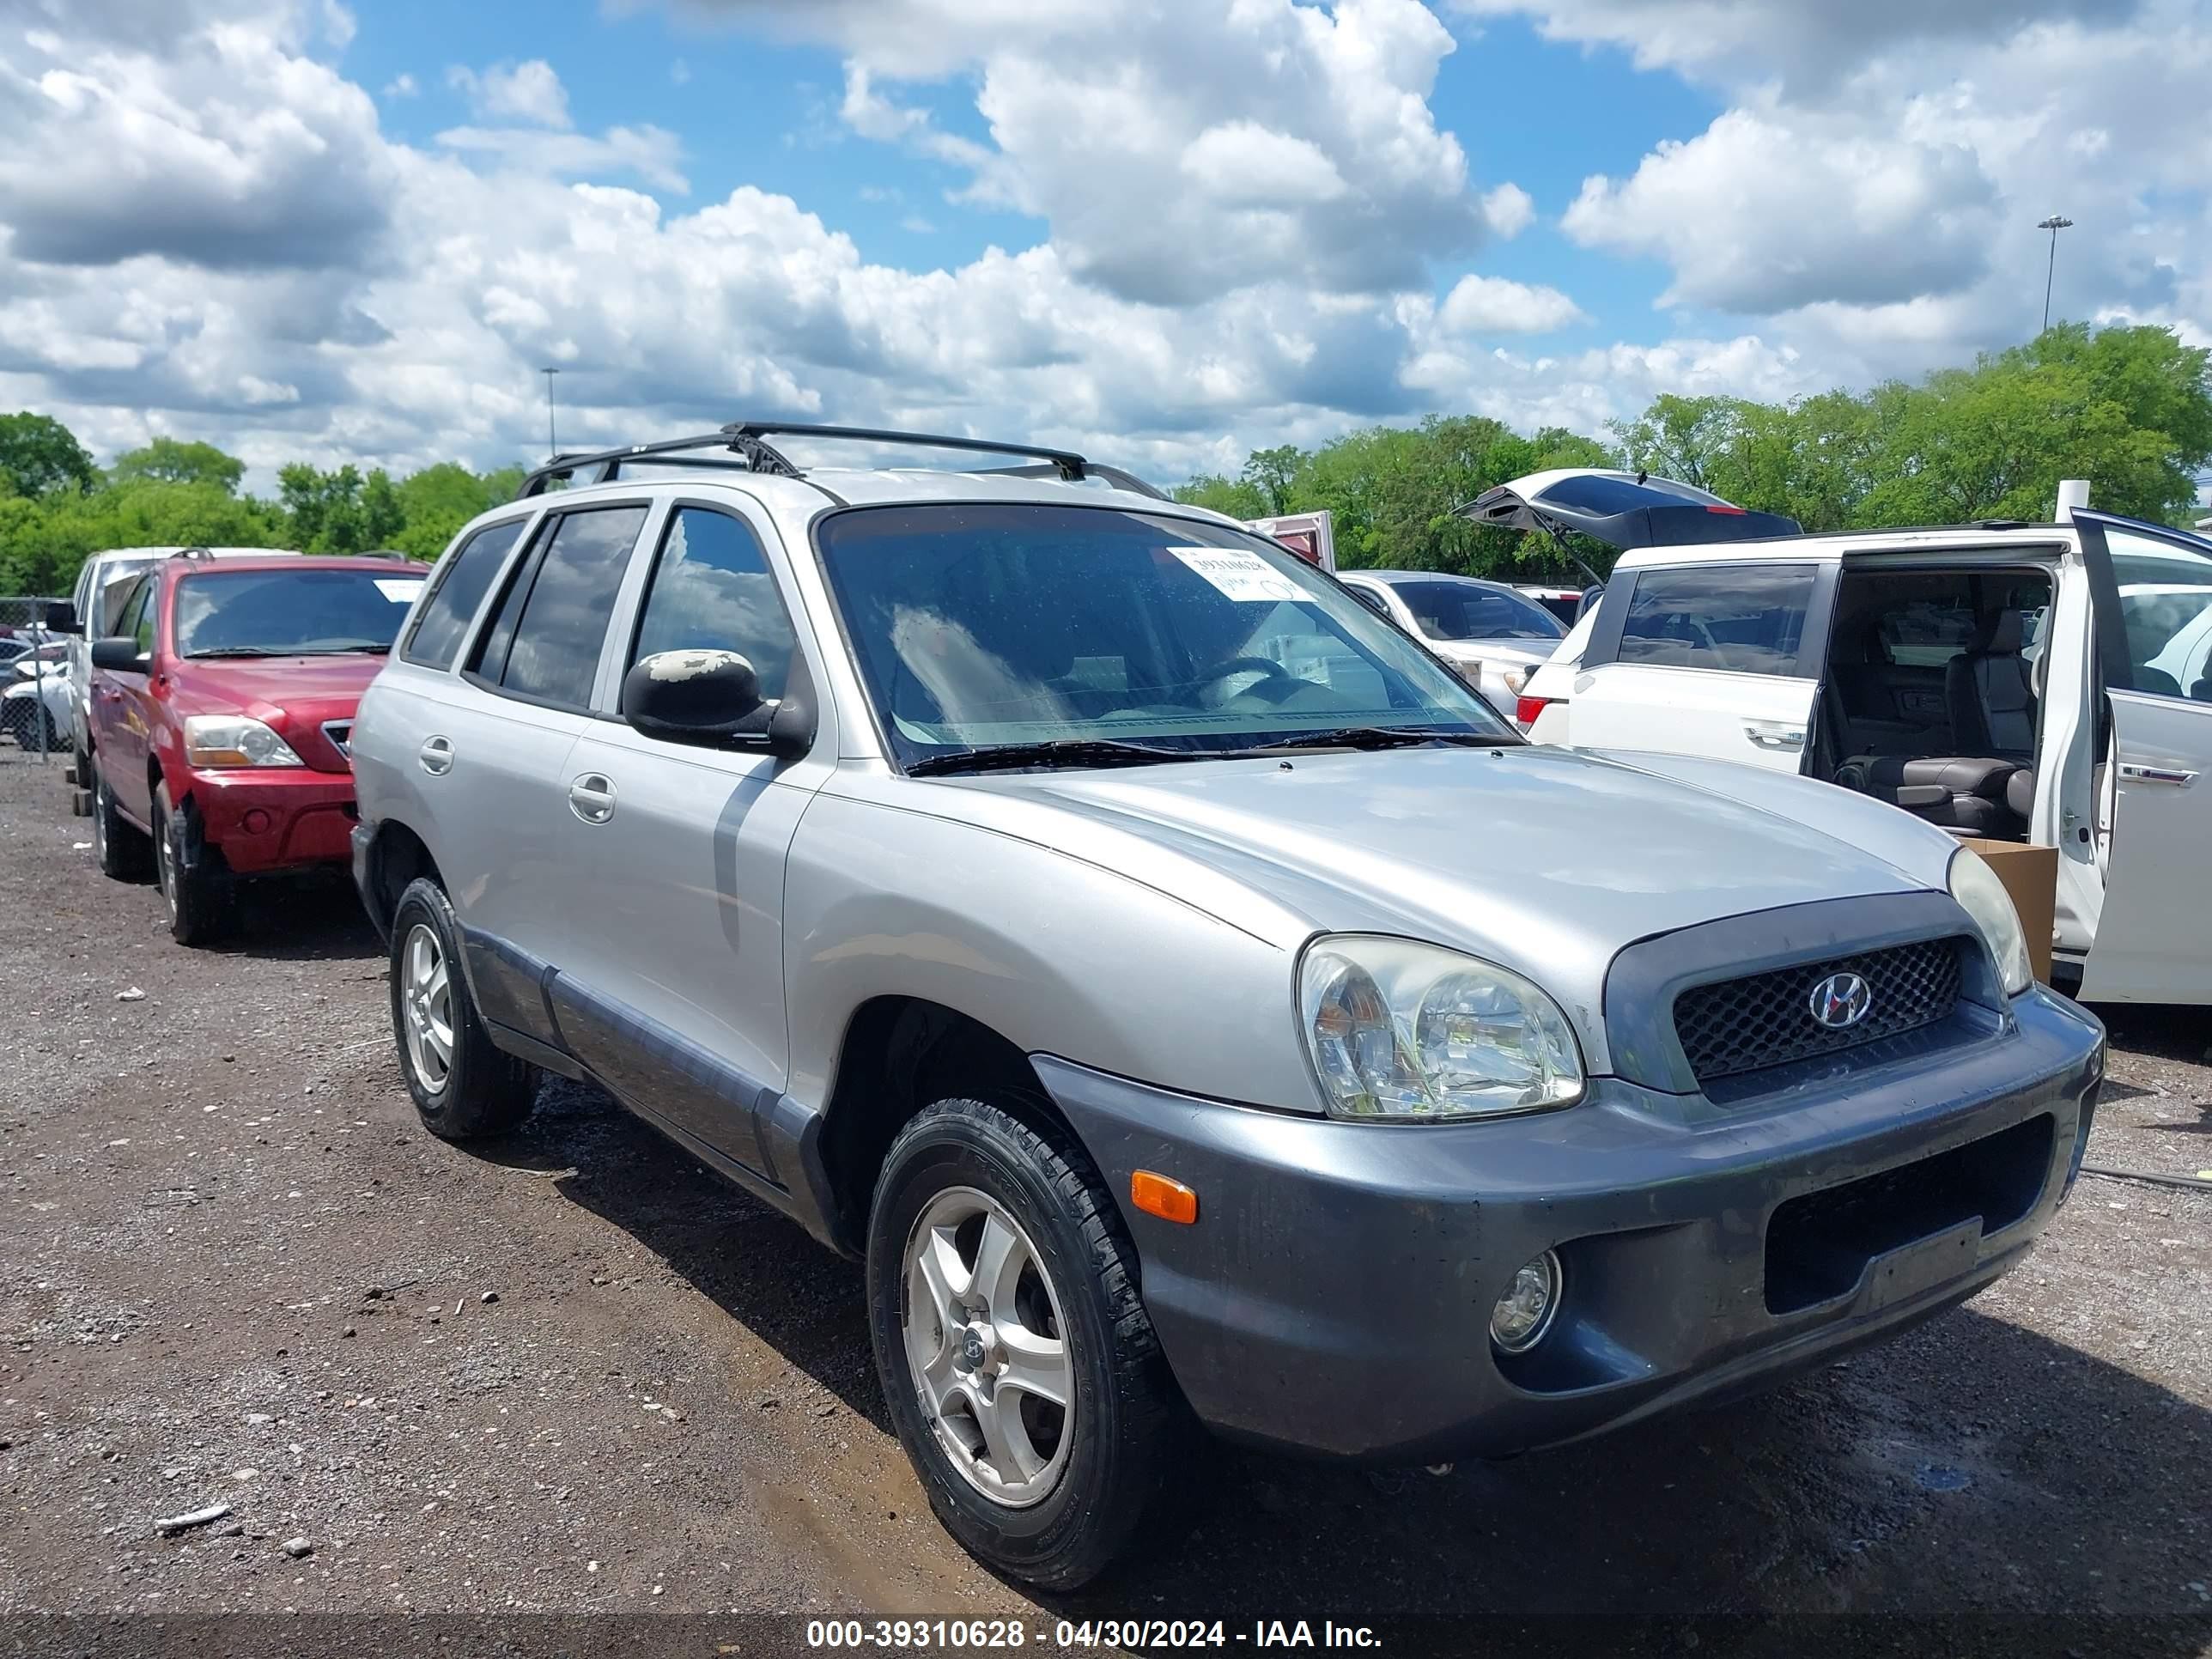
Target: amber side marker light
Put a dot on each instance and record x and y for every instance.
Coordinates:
(1171, 1200)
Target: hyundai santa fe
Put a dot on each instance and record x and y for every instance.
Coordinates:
(1186, 997)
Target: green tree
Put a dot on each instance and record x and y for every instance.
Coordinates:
(166, 460)
(340, 511)
(435, 502)
(1233, 496)
(1273, 472)
(40, 455)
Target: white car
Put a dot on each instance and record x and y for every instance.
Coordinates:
(2043, 684)
(1492, 635)
(35, 706)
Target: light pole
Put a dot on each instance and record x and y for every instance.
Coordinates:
(2054, 224)
(552, 442)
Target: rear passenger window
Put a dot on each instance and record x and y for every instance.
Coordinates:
(544, 643)
(712, 590)
(459, 588)
(1741, 619)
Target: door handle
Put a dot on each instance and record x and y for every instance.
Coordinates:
(1778, 735)
(437, 755)
(2134, 774)
(592, 797)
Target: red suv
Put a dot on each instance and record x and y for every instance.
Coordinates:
(220, 711)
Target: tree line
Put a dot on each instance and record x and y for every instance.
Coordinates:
(56, 506)
(2129, 408)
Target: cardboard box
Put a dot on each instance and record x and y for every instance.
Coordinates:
(2030, 874)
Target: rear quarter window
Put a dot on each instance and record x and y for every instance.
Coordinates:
(1738, 619)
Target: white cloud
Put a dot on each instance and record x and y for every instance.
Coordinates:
(1492, 305)
(679, 72)
(651, 153)
(402, 86)
(1760, 214)
(528, 91)
(1508, 211)
(1177, 154)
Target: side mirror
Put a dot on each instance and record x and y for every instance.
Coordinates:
(120, 655)
(711, 698)
(61, 618)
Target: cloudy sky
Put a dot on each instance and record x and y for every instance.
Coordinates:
(1164, 231)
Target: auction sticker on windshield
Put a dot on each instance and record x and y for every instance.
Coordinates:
(1238, 574)
(400, 590)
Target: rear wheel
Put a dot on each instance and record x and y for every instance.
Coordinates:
(124, 854)
(464, 1087)
(196, 890)
(1020, 1370)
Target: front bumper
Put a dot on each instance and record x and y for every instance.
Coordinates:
(271, 818)
(1334, 1294)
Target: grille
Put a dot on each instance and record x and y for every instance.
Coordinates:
(1767, 1019)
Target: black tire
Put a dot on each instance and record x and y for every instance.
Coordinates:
(1129, 1425)
(483, 1091)
(37, 736)
(196, 890)
(126, 854)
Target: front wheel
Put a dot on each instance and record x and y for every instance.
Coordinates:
(196, 891)
(464, 1087)
(1020, 1370)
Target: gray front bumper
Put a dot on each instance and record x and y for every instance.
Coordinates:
(1335, 1293)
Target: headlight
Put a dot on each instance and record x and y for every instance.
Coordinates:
(1983, 897)
(1513, 679)
(234, 740)
(1400, 1030)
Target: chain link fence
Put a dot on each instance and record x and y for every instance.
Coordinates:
(34, 696)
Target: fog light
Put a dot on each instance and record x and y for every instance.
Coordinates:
(1524, 1313)
(256, 822)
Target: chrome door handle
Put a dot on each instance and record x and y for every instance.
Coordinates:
(592, 797)
(1775, 734)
(437, 755)
(2134, 774)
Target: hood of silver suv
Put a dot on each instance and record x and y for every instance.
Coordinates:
(1538, 857)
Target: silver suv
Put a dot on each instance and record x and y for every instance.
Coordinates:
(1194, 1004)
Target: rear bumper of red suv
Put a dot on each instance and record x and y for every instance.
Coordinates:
(270, 819)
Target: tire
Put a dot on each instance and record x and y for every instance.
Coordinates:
(36, 735)
(471, 1091)
(194, 895)
(1098, 1465)
(124, 854)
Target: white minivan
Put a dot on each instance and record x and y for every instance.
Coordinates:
(2047, 684)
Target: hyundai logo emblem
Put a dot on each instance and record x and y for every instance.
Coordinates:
(1841, 1001)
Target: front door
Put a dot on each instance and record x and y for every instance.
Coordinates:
(123, 710)
(1720, 660)
(2152, 591)
(678, 852)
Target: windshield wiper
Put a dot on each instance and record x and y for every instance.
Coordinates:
(240, 651)
(1058, 752)
(1384, 736)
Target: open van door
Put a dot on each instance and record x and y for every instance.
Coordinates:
(2152, 588)
(1621, 509)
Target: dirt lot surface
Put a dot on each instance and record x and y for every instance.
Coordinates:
(571, 1373)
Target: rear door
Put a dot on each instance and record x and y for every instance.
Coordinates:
(496, 760)
(2152, 588)
(1716, 659)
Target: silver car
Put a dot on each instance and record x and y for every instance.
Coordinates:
(1190, 1000)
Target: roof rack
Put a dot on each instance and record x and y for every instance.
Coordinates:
(746, 440)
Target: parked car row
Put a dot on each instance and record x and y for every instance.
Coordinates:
(1191, 1000)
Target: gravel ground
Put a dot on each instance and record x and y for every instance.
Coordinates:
(572, 1373)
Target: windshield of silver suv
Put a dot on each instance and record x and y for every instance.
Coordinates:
(1096, 635)
(292, 613)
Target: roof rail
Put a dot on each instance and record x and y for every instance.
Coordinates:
(747, 441)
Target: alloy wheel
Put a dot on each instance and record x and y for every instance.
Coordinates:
(984, 1341)
(427, 1008)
